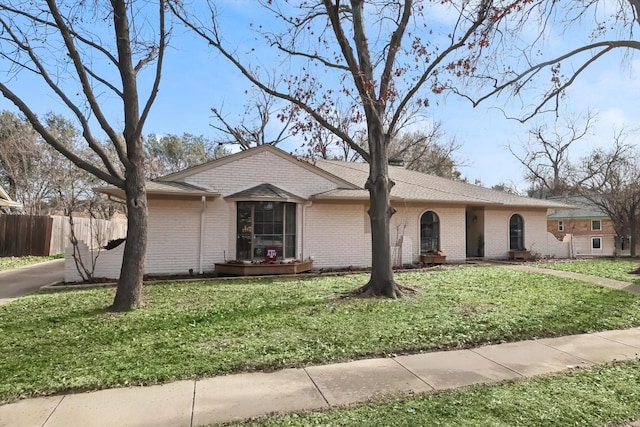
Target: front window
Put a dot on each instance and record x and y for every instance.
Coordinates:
(596, 225)
(429, 233)
(625, 243)
(596, 243)
(266, 226)
(560, 225)
(516, 233)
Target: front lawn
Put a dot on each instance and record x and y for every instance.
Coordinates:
(598, 396)
(617, 269)
(66, 341)
(7, 263)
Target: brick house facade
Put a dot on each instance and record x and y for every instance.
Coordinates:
(237, 206)
(591, 230)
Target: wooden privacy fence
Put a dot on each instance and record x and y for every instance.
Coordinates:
(22, 235)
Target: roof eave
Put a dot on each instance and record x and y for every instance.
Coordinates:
(119, 193)
(10, 204)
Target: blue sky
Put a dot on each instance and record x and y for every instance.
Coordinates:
(196, 78)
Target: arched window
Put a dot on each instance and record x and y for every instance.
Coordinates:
(429, 233)
(516, 233)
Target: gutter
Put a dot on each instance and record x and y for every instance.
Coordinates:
(304, 225)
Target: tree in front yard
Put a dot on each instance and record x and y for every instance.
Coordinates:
(374, 60)
(79, 52)
(610, 179)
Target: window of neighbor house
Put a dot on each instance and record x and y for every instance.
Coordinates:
(560, 225)
(265, 224)
(596, 225)
(516, 233)
(596, 243)
(429, 233)
(625, 243)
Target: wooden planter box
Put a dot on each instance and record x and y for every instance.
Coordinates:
(433, 259)
(524, 255)
(263, 269)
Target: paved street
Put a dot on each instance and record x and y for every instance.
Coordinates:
(25, 280)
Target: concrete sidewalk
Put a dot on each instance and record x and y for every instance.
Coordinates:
(241, 396)
(22, 281)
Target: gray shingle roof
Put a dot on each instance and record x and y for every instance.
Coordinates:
(266, 191)
(416, 186)
(584, 208)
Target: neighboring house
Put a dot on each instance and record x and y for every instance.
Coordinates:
(238, 207)
(591, 229)
(6, 202)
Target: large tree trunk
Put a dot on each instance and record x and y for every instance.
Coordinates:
(129, 293)
(381, 282)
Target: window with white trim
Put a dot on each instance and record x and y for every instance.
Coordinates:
(625, 243)
(429, 233)
(596, 225)
(596, 243)
(560, 225)
(516, 233)
(262, 225)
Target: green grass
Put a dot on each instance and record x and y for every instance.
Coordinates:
(617, 269)
(66, 341)
(7, 263)
(597, 396)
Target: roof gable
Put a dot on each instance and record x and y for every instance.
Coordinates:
(264, 192)
(194, 170)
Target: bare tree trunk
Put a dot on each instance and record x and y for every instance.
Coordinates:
(129, 293)
(634, 234)
(381, 282)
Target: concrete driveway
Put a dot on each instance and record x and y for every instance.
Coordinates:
(25, 280)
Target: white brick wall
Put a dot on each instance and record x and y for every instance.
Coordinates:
(496, 233)
(335, 235)
(173, 245)
(558, 248)
(452, 229)
(338, 235)
(262, 167)
(108, 263)
(582, 246)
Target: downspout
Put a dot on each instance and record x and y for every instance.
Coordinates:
(304, 226)
(204, 206)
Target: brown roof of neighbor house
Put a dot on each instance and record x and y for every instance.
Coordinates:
(416, 186)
